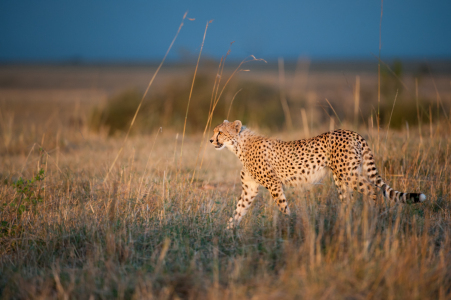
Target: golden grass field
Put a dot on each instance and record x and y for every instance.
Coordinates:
(155, 226)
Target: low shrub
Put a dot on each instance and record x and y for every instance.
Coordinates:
(255, 103)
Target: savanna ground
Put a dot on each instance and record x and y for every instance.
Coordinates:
(76, 224)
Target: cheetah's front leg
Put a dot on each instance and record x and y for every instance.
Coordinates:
(275, 187)
(248, 193)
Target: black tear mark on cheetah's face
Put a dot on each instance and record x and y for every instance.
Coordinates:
(226, 134)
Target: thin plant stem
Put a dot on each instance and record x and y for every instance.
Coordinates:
(379, 77)
(231, 102)
(334, 112)
(418, 110)
(142, 99)
(283, 98)
(389, 120)
(190, 94)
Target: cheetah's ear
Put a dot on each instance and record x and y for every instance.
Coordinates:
(237, 125)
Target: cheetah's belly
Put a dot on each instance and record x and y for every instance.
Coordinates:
(307, 181)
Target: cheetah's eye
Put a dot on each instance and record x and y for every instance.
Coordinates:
(219, 133)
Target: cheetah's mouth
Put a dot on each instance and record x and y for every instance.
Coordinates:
(219, 147)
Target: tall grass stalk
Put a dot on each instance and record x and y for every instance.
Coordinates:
(430, 121)
(356, 102)
(418, 110)
(439, 101)
(389, 120)
(379, 78)
(143, 97)
(331, 124)
(330, 105)
(191, 90)
(217, 81)
(305, 123)
(283, 98)
(231, 102)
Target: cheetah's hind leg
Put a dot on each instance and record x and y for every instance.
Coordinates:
(343, 189)
(359, 183)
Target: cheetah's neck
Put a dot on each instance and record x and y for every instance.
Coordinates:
(240, 146)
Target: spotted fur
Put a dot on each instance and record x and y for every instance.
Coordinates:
(273, 163)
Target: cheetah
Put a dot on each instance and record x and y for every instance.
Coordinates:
(273, 163)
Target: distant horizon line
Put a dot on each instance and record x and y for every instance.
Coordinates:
(409, 65)
(184, 61)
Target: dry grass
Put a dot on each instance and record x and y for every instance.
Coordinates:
(146, 234)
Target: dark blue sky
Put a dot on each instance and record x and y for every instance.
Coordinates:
(142, 30)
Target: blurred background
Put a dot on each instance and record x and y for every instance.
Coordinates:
(84, 66)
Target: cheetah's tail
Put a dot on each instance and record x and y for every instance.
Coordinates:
(396, 196)
(387, 191)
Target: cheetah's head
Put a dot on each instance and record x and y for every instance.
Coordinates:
(226, 134)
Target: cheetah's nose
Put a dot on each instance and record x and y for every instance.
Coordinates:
(211, 141)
